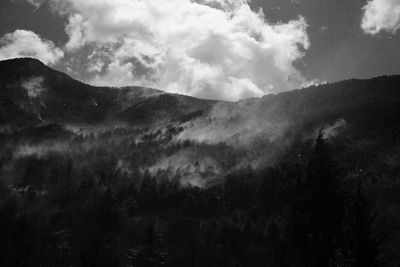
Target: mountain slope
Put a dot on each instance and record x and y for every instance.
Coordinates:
(363, 107)
(196, 140)
(32, 93)
(150, 173)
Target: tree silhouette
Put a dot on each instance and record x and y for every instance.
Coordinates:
(320, 213)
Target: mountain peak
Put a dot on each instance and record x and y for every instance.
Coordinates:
(24, 61)
(34, 93)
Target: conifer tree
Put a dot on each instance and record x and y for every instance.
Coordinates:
(320, 213)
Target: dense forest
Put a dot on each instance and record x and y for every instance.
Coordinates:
(137, 177)
(302, 211)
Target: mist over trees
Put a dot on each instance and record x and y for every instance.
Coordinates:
(98, 177)
(299, 212)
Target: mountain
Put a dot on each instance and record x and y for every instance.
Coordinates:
(135, 176)
(45, 111)
(39, 103)
(34, 94)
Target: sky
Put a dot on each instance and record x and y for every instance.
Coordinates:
(214, 49)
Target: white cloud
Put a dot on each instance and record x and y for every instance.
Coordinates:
(206, 48)
(22, 43)
(315, 82)
(75, 32)
(381, 15)
(218, 49)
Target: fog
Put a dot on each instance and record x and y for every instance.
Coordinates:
(237, 124)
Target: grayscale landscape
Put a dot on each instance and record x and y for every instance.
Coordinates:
(200, 133)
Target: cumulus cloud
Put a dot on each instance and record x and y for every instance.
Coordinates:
(218, 49)
(22, 43)
(381, 15)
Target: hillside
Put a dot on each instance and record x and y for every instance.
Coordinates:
(128, 176)
(33, 94)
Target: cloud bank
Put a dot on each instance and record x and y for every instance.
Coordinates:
(381, 16)
(236, 124)
(215, 49)
(23, 43)
(218, 49)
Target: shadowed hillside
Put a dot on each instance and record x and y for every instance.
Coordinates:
(32, 93)
(95, 176)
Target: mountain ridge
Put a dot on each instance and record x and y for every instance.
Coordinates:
(56, 97)
(75, 157)
(33, 95)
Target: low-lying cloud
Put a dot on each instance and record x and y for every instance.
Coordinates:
(237, 124)
(22, 43)
(34, 86)
(381, 16)
(41, 150)
(218, 49)
(333, 130)
(191, 167)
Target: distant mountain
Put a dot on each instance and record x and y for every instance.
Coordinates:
(361, 108)
(39, 104)
(32, 94)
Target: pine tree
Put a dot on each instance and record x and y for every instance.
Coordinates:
(320, 214)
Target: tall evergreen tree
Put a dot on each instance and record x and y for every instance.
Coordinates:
(320, 214)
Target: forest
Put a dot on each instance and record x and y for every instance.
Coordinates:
(306, 209)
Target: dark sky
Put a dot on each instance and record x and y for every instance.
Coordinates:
(18, 14)
(339, 47)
